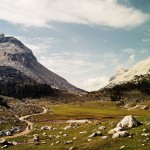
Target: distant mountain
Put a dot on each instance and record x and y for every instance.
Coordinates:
(132, 85)
(124, 75)
(16, 57)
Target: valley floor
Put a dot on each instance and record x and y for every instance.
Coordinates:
(54, 133)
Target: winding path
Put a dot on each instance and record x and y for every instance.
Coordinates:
(29, 125)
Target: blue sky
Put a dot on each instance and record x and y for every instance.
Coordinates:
(86, 41)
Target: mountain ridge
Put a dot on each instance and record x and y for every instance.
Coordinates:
(15, 54)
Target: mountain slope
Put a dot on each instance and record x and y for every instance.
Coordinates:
(15, 54)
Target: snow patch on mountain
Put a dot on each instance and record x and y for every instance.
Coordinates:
(124, 75)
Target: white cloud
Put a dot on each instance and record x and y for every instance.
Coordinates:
(131, 59)
(38, 45)
(96, 83)
(129, 50)
(143, 51)
(146, 40)
(80, 68)
(40, 13)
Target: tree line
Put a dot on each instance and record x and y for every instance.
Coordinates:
(20, 91)
(140, 83)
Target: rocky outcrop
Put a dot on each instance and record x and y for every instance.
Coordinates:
(128, 122)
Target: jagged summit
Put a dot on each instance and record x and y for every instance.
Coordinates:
(7, 40)
(15, 54)
(141, 68)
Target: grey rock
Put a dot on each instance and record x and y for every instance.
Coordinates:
(128, 122)
(97, 133)
(120, 134)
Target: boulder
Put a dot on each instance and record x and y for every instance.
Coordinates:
(102, 127)
(120, 134)
(67, 127)
(36, 138)
(113, 131)
(128, 122)
(104, 137)
(71, 148)
(46, 128)
(3, 142)
(8, 133)
(97, 133)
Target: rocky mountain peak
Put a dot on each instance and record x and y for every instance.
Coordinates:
(14, 53)
(12, 41)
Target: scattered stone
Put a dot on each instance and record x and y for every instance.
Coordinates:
(71, 148)
(79, 121)
(89, 140)
(52, 144)
(46, 128)
(104, 137)
(97, 133)
(67, 127)
(57, 142)
(102, 127)
(83, 132)
(130, 136)
(144, 130)
(145, 107)
(8, 133)
(122, 147)
(144, 141)
(145, 134)
(113, 131)
(111, 123)
(128, 122)
(36, 138)
(98, 123)
(120, 134)
(14, 143)
(57, 136)
(5, 143)
(44, 133)
(65, 135)
(5, 146)
(74, 138)
(68, 142)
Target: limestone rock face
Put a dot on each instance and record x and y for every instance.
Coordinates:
(13, 53)
(128, 122)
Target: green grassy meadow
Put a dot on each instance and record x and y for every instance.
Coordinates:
(106, 114)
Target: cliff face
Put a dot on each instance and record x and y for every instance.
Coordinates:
(15, 54)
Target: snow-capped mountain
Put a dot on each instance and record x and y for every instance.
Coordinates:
(124, 75)
(14, 53)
